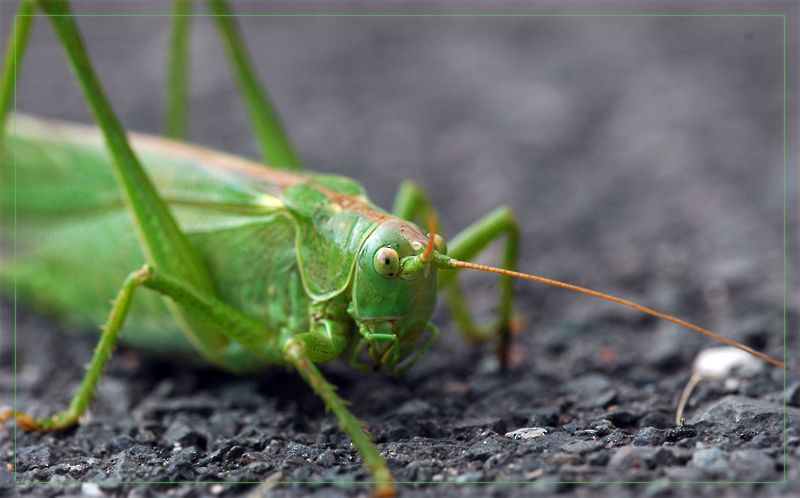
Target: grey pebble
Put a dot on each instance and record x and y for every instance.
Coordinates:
(734, 414)
(711, 462)
(121, 443)
(680, 433)
(634, 461)
(180, 466)
(485, 448)
(469, 477)
(326, 459)
(582, 447)
(414, 408)
(620, 418)
(181, 433)
(397, 433)
(546, 416)
(6, 479)
(31, 457)
(752, 465)
(649, 436)
(793, 395)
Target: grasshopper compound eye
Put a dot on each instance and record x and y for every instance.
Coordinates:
(439, 244)
(387, 262)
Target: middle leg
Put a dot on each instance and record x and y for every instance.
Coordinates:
(412, 204)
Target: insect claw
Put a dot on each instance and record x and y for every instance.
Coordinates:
(29, 424)
(143, 273)
(385, 491)
(25, 422)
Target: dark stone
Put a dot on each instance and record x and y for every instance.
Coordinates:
(793, 395)
(218, 452)
(620, 418)
(659, 489)
(224, 424)
(299, 474)
(485, 448)
(752, 465)
(582, 447)
(649, 436)
(397, 433)
(486, 385)
(234, 453)
(179, 466)
(633, 462)
(32, 457)
(494, 423)
(120, 443)
(680, 432)
(657, 420)
(302, 451)
(326, 459)
(141, 491)
(470, 477)
(550, 442)
(598, 458)
(599, 400)
(570, 427)
(6, 478)
(601, 430)
(545, 416)
(180, 432)
(766, 439)
(711, 463)
(734, 414)
(256, 471)
(149, 433)
(414, 408)
(669, 349)
(124, 468)
(591, 391)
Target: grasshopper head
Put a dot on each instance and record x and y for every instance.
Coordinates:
(394, 293)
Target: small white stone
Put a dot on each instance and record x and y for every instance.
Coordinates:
(718, 363)
(91, 489)
(527, 433)
(217, 489)
(732, 384)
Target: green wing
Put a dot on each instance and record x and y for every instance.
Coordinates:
(75, 242)
(328, 236)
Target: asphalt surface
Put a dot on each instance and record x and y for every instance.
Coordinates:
(643, 157)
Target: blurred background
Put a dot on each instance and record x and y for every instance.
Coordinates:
(643, 155)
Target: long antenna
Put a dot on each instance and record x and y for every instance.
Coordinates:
(454, 263)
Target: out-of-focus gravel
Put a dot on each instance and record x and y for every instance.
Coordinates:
(643, 157)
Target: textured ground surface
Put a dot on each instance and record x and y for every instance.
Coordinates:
(643, 157)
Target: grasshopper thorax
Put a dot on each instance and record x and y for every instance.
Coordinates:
(391, 299)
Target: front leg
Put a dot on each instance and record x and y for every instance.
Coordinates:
(328, 337)
(294, 350)
(329, 334)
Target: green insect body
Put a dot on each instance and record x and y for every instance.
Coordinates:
(293, 251)
(247, 266)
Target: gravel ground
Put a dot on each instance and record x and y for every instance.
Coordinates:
(643, 157)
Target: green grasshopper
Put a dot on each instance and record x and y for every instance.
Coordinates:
(250, 266)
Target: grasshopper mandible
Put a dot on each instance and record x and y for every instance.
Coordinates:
(332, 275)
